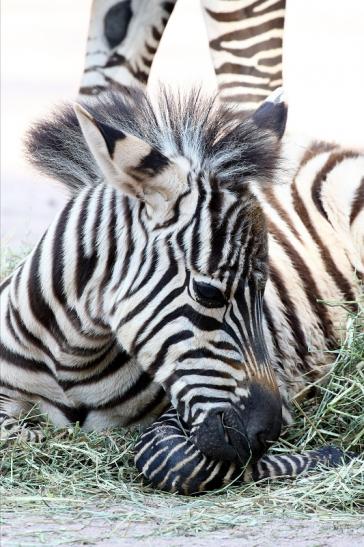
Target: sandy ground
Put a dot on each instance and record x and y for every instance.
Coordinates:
(42, 57)
(30, 529)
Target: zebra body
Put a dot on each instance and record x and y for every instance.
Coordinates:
(74, 315)
(102, 324)
(90, 318)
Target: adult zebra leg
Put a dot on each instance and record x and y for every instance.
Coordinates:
(122, 41)
(168, 459)
(245, 39)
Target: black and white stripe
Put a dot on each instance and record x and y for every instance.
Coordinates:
(245, 39)
(123, 38)
(147, 287)
(167, 458)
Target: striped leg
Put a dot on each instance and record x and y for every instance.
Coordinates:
(169, 460)
(123, 39)
(246, 47)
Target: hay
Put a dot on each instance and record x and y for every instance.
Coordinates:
(87, 475)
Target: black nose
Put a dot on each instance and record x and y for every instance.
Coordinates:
(242, 434)
(262, 417)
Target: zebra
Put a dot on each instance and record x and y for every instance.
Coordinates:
(245, 39)
(173, 455)
(109, 316)
(148, 288)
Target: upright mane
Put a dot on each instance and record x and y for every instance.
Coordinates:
(201, 129)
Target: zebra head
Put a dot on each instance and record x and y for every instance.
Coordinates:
(190, 306)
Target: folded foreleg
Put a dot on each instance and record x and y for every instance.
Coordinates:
(168, 459)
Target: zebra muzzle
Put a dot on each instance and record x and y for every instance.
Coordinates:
(241, 434)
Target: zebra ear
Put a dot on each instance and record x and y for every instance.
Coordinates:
(127, 162)
(272, 114)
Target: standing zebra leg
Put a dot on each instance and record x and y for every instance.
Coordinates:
(168, 459)
(246, 47)
(123, 39)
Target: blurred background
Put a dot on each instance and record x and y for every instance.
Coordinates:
(42, 55)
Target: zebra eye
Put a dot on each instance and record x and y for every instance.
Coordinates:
(208, 295)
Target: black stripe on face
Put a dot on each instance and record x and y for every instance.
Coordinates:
(202, 322)
(161, 306)
(175, 212)
(167, 277)
(162, 353)
(148, 275)
(251, 322)
(219, 235)
(196, 231)
(205, 353)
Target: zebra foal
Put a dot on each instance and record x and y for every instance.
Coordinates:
(147, 288)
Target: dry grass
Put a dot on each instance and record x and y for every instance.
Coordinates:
(91, 476)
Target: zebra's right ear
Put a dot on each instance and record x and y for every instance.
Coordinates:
(272, 114)
(127, 162)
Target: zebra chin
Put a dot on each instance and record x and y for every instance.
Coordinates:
(241, 433)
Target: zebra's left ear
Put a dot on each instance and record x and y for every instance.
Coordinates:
(272, 114)
(128, 163)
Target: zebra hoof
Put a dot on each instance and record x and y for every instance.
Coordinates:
(331, 456)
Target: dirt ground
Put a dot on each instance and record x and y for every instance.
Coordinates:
(32, 529)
